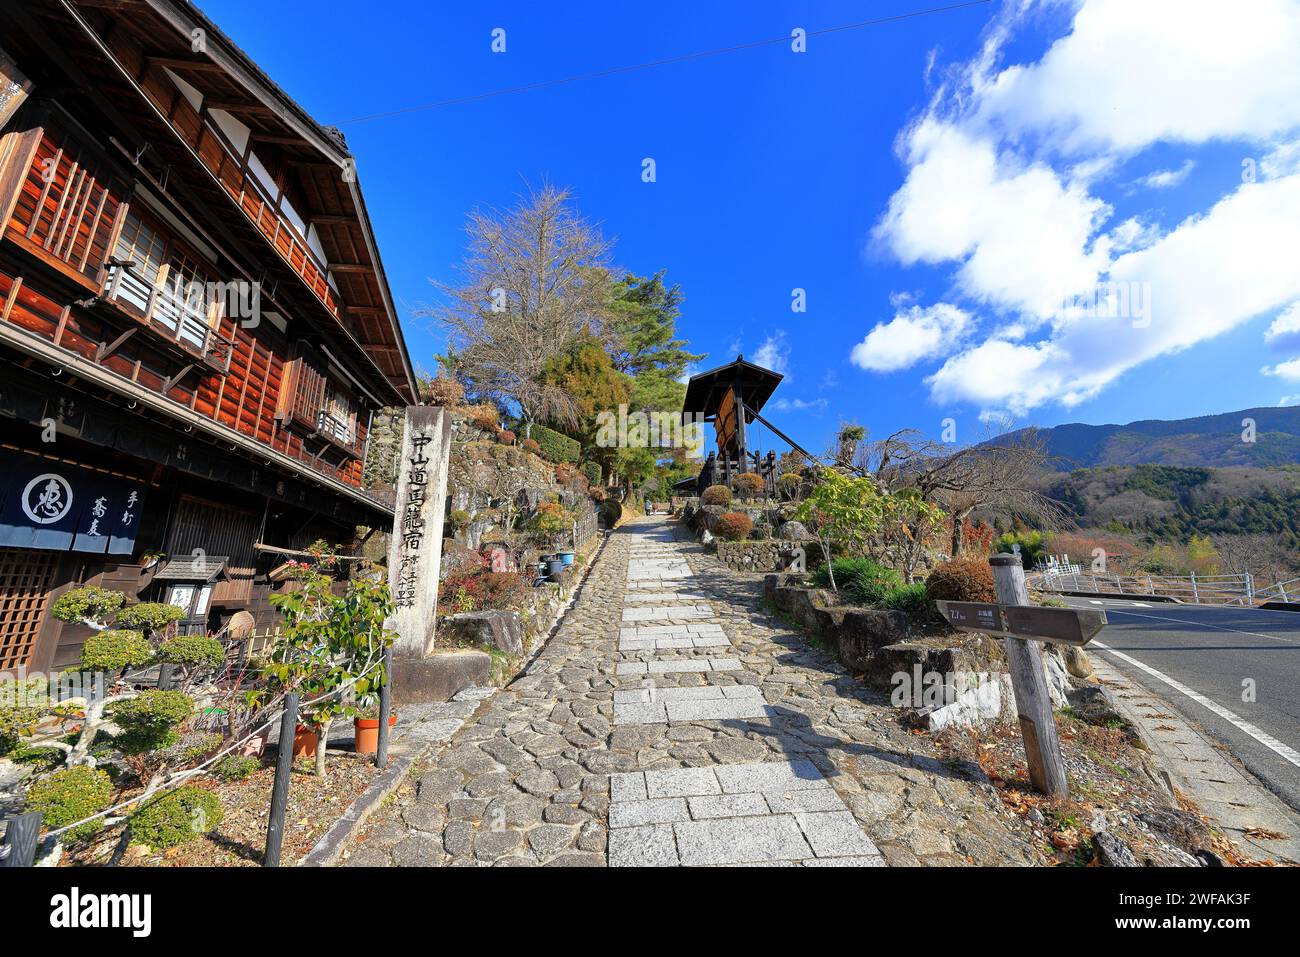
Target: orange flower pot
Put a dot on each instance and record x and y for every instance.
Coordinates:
(304, 742)
(366, 732)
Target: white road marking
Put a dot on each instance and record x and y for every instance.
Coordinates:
(1267, 740)
(1206, 624)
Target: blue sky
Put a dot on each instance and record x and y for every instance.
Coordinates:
(949, 190)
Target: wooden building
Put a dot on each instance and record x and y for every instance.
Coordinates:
(195, 325)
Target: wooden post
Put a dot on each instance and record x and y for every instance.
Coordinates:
(385, 709)
(20, 840)
(1029, 682)
(280, 790)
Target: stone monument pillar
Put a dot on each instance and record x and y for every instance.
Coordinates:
(414, 557)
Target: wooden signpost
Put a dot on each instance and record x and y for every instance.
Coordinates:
(1022, 626)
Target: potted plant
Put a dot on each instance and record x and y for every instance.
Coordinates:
(365, 725)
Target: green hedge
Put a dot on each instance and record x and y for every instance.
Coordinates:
(556, 446)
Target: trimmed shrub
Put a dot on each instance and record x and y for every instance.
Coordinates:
(458, 518)
(87, 603)
(193, 651)
(748, 484)
(592, 471)
(555, 446)
(236, 767)
(148, 616)
(148, 721)
(716, 495)
(69, 795)
(530, 445)
(115, 650)
(962, 579)
(733, 526)
(175, 818)
(506, 437)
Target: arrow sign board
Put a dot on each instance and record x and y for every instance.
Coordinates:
(1062, 626)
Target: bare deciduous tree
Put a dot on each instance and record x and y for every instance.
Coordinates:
(1002, 474)
(535, 278)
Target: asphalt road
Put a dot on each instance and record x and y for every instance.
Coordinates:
(1212, 652)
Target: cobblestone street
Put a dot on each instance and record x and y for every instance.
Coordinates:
(672, 721)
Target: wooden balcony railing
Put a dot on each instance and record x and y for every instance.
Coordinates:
(187, 321)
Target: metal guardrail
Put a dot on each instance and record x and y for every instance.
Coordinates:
(1193, 589)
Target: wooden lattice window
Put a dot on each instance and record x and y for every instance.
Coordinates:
(26, 578)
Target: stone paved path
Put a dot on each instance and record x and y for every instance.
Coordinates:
(672, 721)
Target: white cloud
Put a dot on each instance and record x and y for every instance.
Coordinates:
(1001, 173)
(1020, 234)
(912, 335)
(774, 353)
(1289, 370)
(1283, 333)
(1133, 73)
(1167, 178)
(800, 405)
(1289, 400)
(1207, 276)
(1132, 234)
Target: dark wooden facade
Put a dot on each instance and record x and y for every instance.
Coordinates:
(192, 307)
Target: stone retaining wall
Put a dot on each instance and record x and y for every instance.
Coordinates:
(770, 555)
(969, 686)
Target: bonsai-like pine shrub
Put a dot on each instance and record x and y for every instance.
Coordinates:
(149, 720)
(115, 650)
(962, 579)
(530, 445)
(506, 437)
(89, 603)
(148, 616)
(748, 484)
(193, 651)
(592, 471)
(459, 518)
(556, 446)
(716, 495)
(236, 767)
(175, 817)
(733, 526)
(70, 795)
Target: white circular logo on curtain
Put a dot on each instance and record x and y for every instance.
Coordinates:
(47, 498)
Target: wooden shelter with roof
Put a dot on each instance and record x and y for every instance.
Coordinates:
(731, 397)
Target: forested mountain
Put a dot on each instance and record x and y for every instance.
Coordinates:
(1173, 503)
(1212, 441)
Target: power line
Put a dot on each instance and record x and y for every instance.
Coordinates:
(665, 61)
